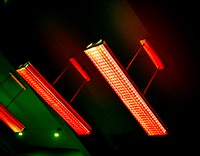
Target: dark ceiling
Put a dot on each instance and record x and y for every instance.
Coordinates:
(48, 33)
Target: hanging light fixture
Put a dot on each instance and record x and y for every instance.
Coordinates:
(10, 120)
(53, 98)
(113, 72)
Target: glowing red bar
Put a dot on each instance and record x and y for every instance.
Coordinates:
(54, 99)
(79, 68)
(103, 58)
(10, 120)
(152, 54)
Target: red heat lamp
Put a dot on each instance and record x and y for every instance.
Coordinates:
(54, 99)
(10, 120)
(116, 76)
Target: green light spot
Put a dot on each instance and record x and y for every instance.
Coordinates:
(5, 1)
(20, 133)
(56, 134)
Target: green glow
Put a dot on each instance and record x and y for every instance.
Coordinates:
(20, 133)
(5, 1)
(56, 134)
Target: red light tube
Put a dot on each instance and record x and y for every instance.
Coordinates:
(10, 120)
(152, 54)
(103, 58)
(54, 99)
(79, 68)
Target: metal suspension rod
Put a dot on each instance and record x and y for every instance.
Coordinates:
(60, 74)
(4, 80)
(134, 58)
(78, 91)
(150, 80)
(15, 98)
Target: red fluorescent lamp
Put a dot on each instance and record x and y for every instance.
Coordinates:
(53, 98)
(105, 61)
(10, 120)
(152, 54)
(79, 68)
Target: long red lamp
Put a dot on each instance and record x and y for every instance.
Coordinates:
(79, 68)
(10, 120)
(152, 54)
(105, 61)
(54, 99)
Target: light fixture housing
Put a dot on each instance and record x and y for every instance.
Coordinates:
(116, 76)
(29, 73)
(10, 120)
(79, 68)
(152, 54)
